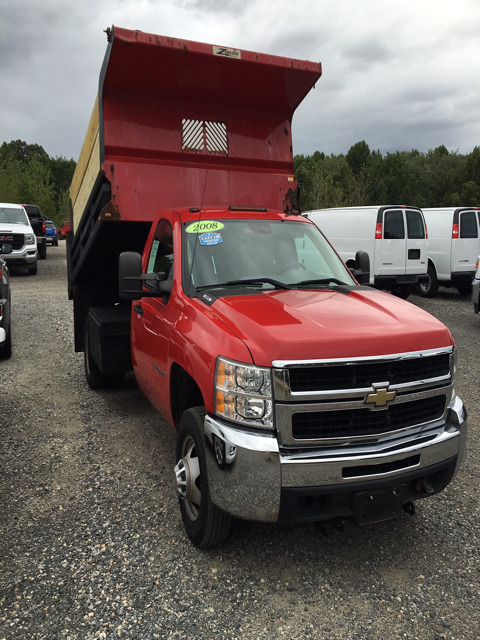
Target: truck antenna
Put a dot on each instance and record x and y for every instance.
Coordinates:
(196, 236)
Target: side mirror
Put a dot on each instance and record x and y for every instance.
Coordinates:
(362, 267)
(5, 248)
(129, 275)
(131, 279)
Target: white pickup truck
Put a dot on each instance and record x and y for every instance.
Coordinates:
(16, 230)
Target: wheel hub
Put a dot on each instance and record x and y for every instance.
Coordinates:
(183, 478)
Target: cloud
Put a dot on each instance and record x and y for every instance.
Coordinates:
(399, 75)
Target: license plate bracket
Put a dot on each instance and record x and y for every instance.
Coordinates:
(379, 505)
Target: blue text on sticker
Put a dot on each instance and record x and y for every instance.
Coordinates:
(209, 239)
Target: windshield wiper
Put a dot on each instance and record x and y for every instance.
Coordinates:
(323, 281)
(276, 283)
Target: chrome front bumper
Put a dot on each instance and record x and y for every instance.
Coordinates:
(25, 256)
(247, 472)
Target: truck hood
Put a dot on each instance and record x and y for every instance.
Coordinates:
(7, 229)
(311, 325)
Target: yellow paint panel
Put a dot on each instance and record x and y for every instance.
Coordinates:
(88, 167)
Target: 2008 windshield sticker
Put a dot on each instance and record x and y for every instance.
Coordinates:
(209, 239)
(203, 226)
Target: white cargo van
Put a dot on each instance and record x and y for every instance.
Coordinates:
(453, 247)
(394, 237)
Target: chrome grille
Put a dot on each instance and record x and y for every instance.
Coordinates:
(326, 401)
(363, 422)
(360, 374)
(17, 240)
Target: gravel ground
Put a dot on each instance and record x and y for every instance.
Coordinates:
(91, 539)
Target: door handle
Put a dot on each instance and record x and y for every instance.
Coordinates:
(138, 309)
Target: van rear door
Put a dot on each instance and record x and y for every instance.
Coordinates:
(465, 240)
(417, 246)
(400, 242)
(390, 245)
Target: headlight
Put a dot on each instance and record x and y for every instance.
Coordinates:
(29, 239)
(243, 393)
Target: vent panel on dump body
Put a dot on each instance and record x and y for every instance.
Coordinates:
(198, 135)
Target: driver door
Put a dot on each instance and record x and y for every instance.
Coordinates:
(152, 323)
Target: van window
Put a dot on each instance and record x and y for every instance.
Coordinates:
(468, 225)
(393, 226)
(415, 225)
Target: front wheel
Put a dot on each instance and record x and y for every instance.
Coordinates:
(205, 525)
(429, 289)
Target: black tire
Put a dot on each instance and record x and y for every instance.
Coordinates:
(6, 348)
(95, 378)
(464, 288)
(33, 270)
(42, 251)
(402, 291)
(429, 289)
(204, 523)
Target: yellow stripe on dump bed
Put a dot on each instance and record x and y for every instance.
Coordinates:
(88, 168)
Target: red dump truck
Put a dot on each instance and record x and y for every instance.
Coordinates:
(297, 393)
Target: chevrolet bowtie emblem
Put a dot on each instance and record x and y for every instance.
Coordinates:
(380, 397)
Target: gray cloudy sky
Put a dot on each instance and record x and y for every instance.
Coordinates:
(399, 74)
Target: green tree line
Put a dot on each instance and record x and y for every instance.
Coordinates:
(360, 177)
(28, 175)
(363, 177)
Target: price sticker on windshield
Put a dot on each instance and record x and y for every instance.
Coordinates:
(204, 226)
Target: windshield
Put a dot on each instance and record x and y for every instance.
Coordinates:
(267, 253)
(13, 215)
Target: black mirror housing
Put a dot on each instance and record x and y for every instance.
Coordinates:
(131, 279)
(129, 275)
(362, 267)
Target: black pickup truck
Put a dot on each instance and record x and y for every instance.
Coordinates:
(39, 228)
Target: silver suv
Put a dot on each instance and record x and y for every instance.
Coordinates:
(16, 230)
